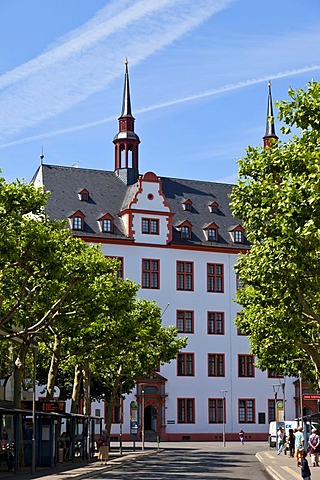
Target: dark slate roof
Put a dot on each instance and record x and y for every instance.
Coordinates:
(108, 194)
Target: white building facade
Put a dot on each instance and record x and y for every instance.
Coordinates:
(178, 240)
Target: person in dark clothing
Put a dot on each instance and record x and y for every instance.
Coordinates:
(290, 441)
(303, 464)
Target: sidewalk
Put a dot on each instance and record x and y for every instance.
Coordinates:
(78, 470)
(283, 467)
(279, 467)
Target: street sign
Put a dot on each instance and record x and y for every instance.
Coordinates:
(311, 396)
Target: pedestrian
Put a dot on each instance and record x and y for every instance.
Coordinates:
(280, 439)
(241, 437)
(298, 443)
(290, 441)
(103, 447)
(303, 464)
(314, 447)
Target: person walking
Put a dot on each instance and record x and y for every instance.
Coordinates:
(303, 464)
(241, 437)
(298, 443)
(280, 439)
(314, 446)
(103, 447)
(290, 441)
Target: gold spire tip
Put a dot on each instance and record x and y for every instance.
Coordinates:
(126, 62)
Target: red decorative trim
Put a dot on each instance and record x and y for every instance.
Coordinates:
(205, 248)
(150, 177)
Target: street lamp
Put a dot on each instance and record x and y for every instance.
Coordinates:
(300, 389)
(33, 440)
(142, 417)
(301, 396)
(223, 395)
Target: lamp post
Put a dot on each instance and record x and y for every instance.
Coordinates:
(275, 388)
(300, 390)
(301, 396)
(223, 396)
(33, 440)
(142, 417)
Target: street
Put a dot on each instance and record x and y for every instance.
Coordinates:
(196, 461)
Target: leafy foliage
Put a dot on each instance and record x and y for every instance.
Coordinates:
(278, 198)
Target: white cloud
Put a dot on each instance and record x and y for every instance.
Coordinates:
(85, 61)
(171, 103)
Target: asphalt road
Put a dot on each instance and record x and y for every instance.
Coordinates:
(194, 461)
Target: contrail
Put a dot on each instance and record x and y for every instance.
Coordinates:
(170, 103)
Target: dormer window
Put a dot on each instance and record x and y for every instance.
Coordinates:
(212, 232)
(84, 195)
(77, 220)
(185, 232)
(106, 223)
(187, 205)
(237, 234)
(214, 207)
(185, 229)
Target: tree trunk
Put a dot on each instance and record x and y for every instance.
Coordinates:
(86, 388)
(76, 388)
(53, 370)
(110, 405)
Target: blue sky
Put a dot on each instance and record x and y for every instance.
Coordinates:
(198, 69)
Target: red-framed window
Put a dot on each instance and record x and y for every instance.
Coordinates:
(185, 364)
(216, 365)
(215, 323)
(185, 321)
(150, 226)
(216, 410)
(246, 409)
(184, 275)
(215, 277)
(150, 273)
(186, 410)
(120, 265)
(246, 366)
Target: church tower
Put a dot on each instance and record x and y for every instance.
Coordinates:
(126, 141)
(270, 128)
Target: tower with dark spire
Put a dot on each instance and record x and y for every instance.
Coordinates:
(270, 128)
(126, 141)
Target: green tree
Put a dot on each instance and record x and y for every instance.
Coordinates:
(278, 198)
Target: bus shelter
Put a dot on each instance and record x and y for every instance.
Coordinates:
(56, 438)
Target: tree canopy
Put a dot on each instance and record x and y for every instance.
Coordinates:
(65, 295)
(278, 197)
